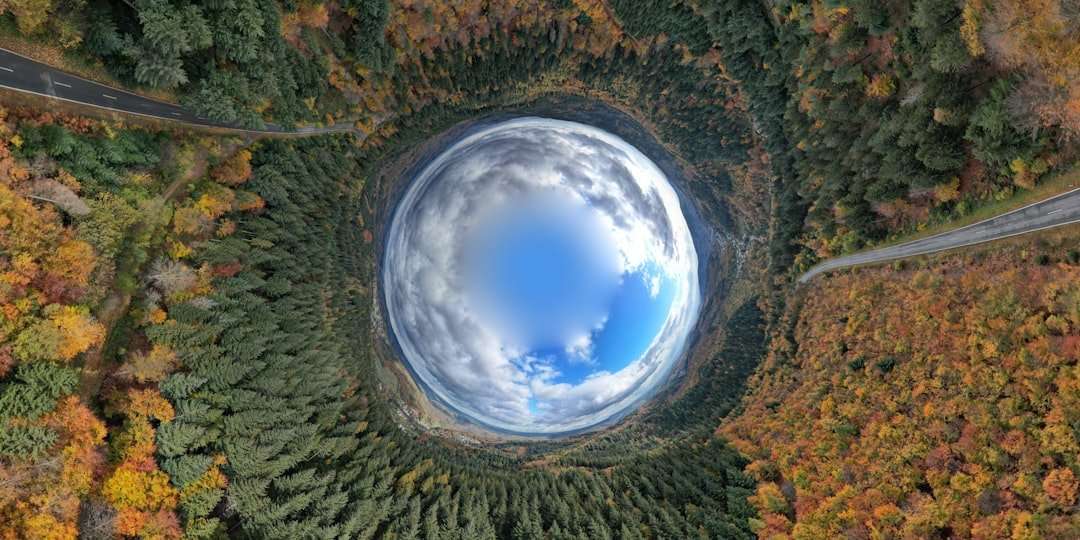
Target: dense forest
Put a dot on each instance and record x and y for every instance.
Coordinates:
(83, 216)
(189, 334)
(311, 450)
(239, 400)
(936, 400)
(905, 111)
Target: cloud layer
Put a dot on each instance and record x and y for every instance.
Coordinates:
(469, 362)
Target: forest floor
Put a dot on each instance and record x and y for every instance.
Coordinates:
(109, 313)
(115, 306)
(197, 170)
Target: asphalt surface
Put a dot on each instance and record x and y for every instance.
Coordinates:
(1056, 211)
(25, 75)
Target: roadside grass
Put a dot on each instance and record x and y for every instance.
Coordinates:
(43, 47)
(1053, 184)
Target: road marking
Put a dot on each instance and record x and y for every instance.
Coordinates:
(108, 96)
(175, 114)
(7, 69)
(65, 85)
(1054, 211)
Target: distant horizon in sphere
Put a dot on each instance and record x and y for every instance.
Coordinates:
(540, 277)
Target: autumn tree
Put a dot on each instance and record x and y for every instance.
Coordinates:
(152, 366)
(141, 494)
(904, 388)
(64, 333)
(1037, 37)
(235, 170)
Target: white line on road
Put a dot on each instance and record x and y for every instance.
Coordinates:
(108, 96)
(65, 85)
(7, 69)
(1054, 211)
(175, 114)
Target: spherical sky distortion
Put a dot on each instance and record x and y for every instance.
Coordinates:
(540, 277)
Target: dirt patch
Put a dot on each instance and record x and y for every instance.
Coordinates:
(196, 171)
(109, 313)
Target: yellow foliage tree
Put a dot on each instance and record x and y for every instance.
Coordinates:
(881, 86)
(969, 27)
(949, 191)
(73, 260)
(78, 329)
(141, 490)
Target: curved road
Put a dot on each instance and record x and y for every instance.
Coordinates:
(1056, 211)
(25, 75)
(22, 74)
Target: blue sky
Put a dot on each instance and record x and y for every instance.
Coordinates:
(546, 273)
(540, 277)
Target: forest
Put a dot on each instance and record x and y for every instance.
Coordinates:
(189, 326)
(958, 419)
(273, 425)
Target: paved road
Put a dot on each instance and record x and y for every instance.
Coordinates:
(25, 75)
(1053, 212)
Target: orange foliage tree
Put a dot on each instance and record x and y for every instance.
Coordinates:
(43, 263)
(234, 171)
(41, 498)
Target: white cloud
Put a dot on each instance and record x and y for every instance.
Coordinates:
(472, 364)
(580, 348)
